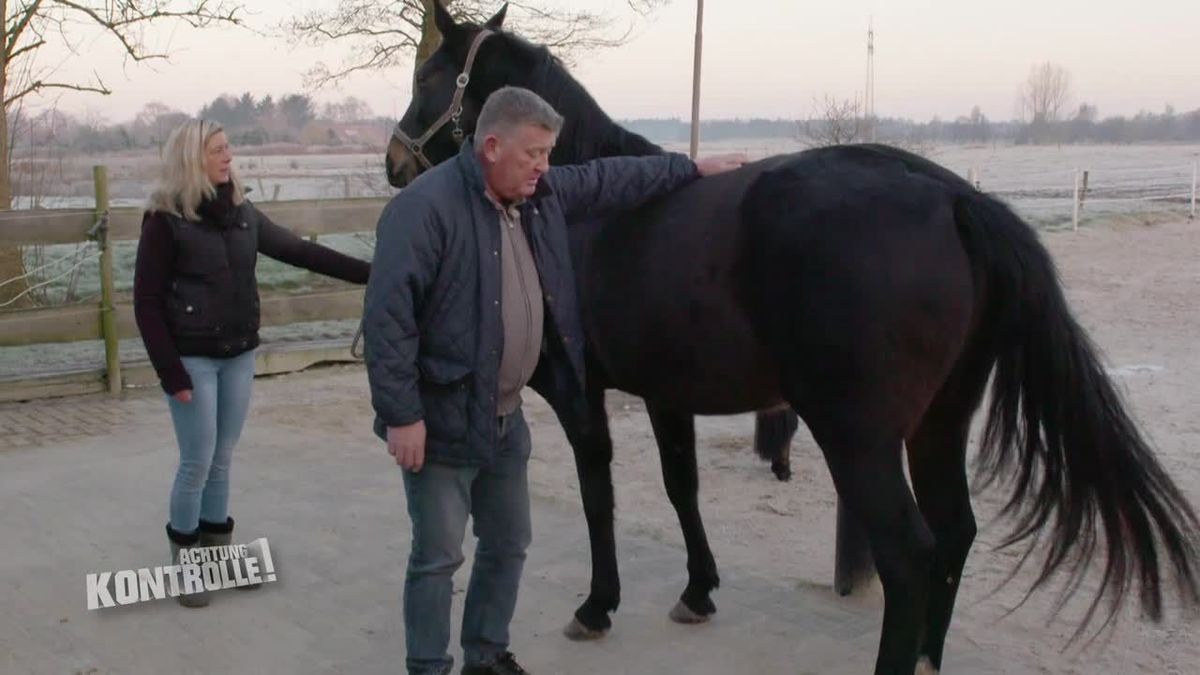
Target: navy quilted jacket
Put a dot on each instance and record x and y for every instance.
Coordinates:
(431, 319)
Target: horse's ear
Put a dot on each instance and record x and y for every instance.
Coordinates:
(442, 19)
(497, 21)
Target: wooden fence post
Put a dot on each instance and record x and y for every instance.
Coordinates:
(1083, 192)
(1195, 166)
(108, 322)
(1075, 205)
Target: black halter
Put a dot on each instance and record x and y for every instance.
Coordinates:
(453, 113)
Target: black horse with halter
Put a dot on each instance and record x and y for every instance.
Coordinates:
(453, 113)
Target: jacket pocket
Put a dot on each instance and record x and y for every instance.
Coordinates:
(189, 310)
(445, 394)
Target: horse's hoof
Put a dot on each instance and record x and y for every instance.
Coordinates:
(681, 613)
(580, 633)
(925, 667)
(848, 584)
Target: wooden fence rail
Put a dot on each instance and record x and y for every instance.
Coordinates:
(22, 327)
(304, 217)
(111, 321)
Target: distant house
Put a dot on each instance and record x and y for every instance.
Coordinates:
(372, 134)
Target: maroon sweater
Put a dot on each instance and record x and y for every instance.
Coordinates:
(153, 273)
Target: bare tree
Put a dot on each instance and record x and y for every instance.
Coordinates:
(1043, 98)
(384, 34)
(350, 109)
(1045, 93)
(154, 122)
(31, 25)
(833, 122)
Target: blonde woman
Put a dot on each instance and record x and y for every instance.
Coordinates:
(196, 304)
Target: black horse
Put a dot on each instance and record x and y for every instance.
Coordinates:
(873, 292)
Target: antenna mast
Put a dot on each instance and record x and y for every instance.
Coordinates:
(869, 103)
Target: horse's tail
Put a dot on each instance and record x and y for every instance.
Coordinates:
(1059, 434)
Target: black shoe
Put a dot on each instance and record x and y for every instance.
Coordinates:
(505, 664)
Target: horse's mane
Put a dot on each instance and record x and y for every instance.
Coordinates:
(588, 132)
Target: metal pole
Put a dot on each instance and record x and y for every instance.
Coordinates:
(108, 322)
(870, 93)
(695, 146)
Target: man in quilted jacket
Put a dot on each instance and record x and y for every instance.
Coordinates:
(471, 291)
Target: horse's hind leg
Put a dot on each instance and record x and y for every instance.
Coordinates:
(853, 566)
(774, 429)
(676, 436)
(773, 432)
(937, 465)
(867, 470)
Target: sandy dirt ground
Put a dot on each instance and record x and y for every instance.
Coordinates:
(1133, 286)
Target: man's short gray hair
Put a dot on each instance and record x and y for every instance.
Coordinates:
(510, 107)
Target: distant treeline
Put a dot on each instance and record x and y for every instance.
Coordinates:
(248, 120)
(297, 118)
(1084, 126)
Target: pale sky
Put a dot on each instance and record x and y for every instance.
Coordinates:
(762, 58)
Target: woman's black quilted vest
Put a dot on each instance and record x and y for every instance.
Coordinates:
(212, 302)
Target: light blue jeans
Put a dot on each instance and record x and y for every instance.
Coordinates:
(206, 430)
(440, 497)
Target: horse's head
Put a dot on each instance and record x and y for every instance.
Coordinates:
(449, 88)
(472, 62)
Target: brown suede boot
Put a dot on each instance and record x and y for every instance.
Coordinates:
(181, 542)
(221, 534)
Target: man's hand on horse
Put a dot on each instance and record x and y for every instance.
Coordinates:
(407, 445)
(711, 166)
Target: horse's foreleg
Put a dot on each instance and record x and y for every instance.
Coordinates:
(592, 447)
(676, 436)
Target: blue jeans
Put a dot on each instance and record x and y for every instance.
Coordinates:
(440, 497)
(206, 430)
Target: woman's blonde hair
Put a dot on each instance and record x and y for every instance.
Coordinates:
(183, 183)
